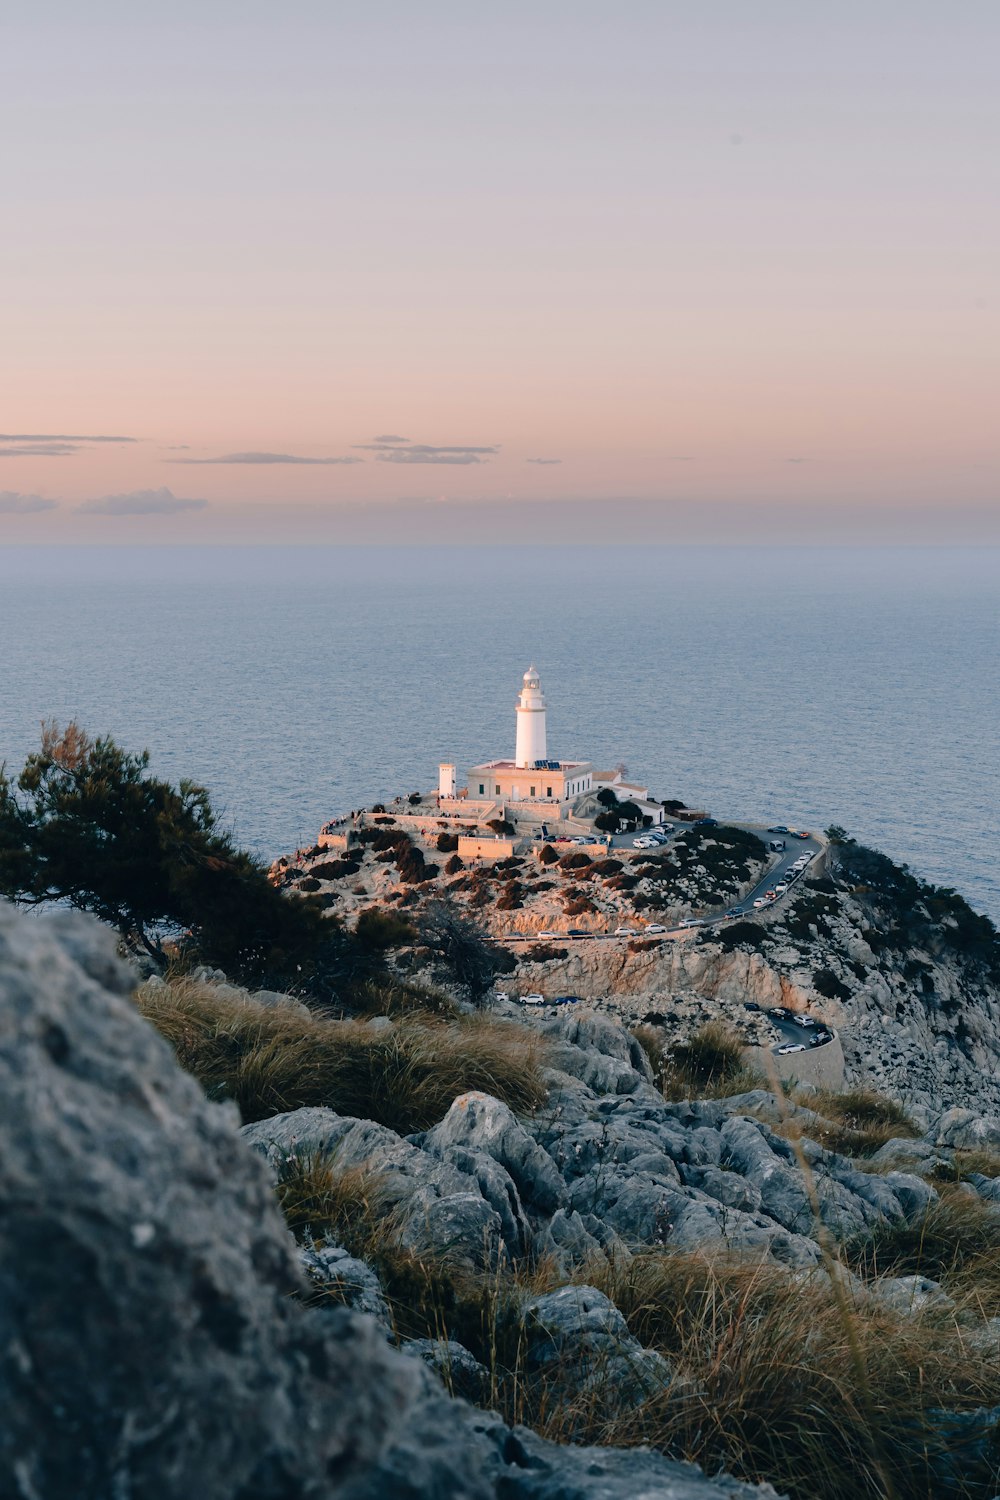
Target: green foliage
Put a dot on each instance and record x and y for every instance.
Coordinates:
(379, 929)
(447, 843)
(607, 798)
(547, 855)
(827, 983)
(740, 935)
(607, 822)
(87, 824)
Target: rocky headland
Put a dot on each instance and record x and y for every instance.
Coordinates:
(428, 1241)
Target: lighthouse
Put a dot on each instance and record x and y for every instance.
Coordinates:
(530, 748)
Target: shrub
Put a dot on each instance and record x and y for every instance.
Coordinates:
(543, 953)
(607, 822)
(710, 1064)
(382, 929)
(335, 869)
(742, 935)
(547, 855)
(607, 798)
(453, 865)
(308, 883)
(855, 1122)
(827, 983)
(607, 867)
(414, 799)
(447, 842)
(273, 1059)
(501, 826)
(575, 861)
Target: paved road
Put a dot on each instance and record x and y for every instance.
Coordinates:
(780, 873)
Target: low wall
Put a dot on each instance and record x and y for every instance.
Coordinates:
(823, 1066)
(488, 848)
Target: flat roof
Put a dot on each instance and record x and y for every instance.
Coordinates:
(510, 765)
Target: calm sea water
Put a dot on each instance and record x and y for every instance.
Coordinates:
(812, 687)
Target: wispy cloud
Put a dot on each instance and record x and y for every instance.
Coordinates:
(14, 504)
(161, 502)
(62, 437)
(265, 458)
(38, 450)
(389, 437)
(544, 461)
(393, 450)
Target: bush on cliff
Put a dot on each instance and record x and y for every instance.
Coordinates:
(86, 824)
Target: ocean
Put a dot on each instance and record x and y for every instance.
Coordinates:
(809, 687)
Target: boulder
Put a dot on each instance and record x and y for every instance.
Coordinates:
(334, 1270)
(149, 1349)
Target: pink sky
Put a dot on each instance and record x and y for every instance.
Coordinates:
(738, 268)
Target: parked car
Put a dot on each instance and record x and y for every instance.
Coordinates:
(566, 1000)
(801, 833)
(577, 932)
(706, 823)
(820, 1037)
(776, 845)
(625, 932)
(581, 840)
(533, 999)
(780, 889)
(750, 1005)
(781, 1011)
(692, 922)
(736, 911)
(502, 995)
(779, 828)
(550, 935)
(800, 1020)
(644, 843)
(790, 1047)
(760, 901)
(656, 927)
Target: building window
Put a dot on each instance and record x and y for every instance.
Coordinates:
(532, 791)
(497, 793)
(481, 789)
(548, 791)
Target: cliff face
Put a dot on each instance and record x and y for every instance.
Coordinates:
(908, 976)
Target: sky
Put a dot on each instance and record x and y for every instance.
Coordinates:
(383, 271)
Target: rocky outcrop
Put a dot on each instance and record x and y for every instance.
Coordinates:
(149, 1349)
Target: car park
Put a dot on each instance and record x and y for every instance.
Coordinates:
(784, 1050)
(533, 999)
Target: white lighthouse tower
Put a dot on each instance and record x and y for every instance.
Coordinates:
(530, 722)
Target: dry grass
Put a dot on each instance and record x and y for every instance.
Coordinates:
(770, 1380)
(406, 1075)
(956, 1242)
(710, 1064)
(766, 1370)
(854, 1122)
(963, 1164)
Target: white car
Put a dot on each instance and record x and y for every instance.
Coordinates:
(760, 901)
(533, 999)
(625, 932)
(644, 843)
(790, 1047)
(550, 935)
(502, 995)
(581, 840)
(692, 922)
(779, 890)
(656, 927)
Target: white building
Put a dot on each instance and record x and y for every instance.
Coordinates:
(531, 776)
